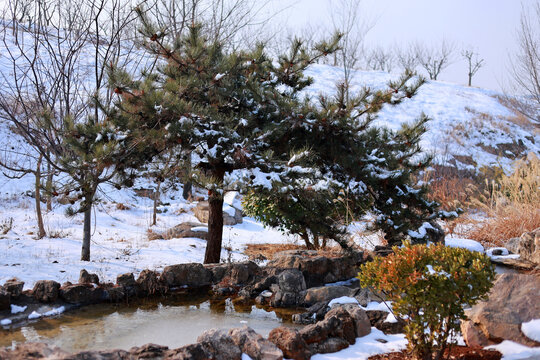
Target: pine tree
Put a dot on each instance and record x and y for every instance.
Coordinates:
(345, 167)
(223, 107)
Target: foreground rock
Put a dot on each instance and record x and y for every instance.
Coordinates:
(254, 345)
(191, 275)
(527, 246)
(46, 291)
(513, 300)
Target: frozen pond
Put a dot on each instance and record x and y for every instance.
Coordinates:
(169, 322)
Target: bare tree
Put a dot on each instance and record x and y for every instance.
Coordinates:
(347, 20)
(56, 89)
(434, 59)
(406, 57)
(380, 59)
(525, 66)
(474, 63)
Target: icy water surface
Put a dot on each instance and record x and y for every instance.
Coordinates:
(173, 323)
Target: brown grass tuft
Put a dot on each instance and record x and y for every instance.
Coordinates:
(267, 251)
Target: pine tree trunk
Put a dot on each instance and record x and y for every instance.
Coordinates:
(186, 193)
(85, 251)
(41, 228)
(215, 229)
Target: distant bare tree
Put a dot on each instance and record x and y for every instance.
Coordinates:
(347, 20)
(525, 66)
(474, 63)
(407, 57)
(434, 59)
(380, 59)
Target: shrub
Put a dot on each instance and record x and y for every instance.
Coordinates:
(429, 285)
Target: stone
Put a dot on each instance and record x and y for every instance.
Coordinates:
(325, 293)
(148, 351)
(346, 329)
(32, 351)
(149, 284)
(86, 278)
(192, 275)
(128, 283)
(189, 352)
(291, 281)
(220, 345)
(183, 230)
(320, 331)
(14, 287)
(82, 294)
(377, 319)
(233, 273)
(46, 291)
(527, 246)
(290, 342)
(202, 213)
(512, 301)
(361, 321)
(330, 345)
(254, 345)
(115, 293)
(5, 300)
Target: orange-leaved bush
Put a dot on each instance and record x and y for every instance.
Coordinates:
(429, 286)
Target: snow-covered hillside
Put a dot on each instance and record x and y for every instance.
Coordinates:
(470, 127)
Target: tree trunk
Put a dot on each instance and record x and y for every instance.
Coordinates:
(156, 201)
(85, 252)
(41, 228)
(215, 229)
(48, 186)
(186, 193)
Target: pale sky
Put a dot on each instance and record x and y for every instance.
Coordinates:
(489, 26)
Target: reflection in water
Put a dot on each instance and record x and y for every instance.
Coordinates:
(173, 322)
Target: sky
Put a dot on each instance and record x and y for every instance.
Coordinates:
(488, 26)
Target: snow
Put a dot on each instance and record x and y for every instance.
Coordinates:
(367, 346)
(531, 329)
(343, 300)
(5, 322)
(391, 318)
(34, 315)
(464, 243)
(381, 306)
(56, 311)
(15, 309)
(514, 351)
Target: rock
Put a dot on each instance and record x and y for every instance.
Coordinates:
(46, 291)
(148, 351)
(5, 300)
(220, 345)
(99, 355)
(330, 345)
(527, 246)
(346, 329)
(184, 230)
(189, 352)
(32, 351)
(325, 293)
(361, 321)
(313, 313)
(14, 287)
(254, 345)
(377, 319)
(149, 284)
(233, 273)
(115, 293)
(320, 331)
(435, 232)
(82, 294)
(201, 212)
(290, 342)
(318, 269)
(512, 301)
(128, 283)
(192, 275)
(87, 278)
(291, 281)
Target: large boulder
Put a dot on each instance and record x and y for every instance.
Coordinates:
(191, 275)
(318, 270)
(233, 273)
(289, 290)
(290, 342)
(220, 345)
(46, 291)
(254, 345)
(527, 246)
(82, 294)
(14, 287)
(325, 293)
(512, 301)
(149, 284)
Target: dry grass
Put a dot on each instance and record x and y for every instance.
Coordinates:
(511, 204)
(450, 187)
